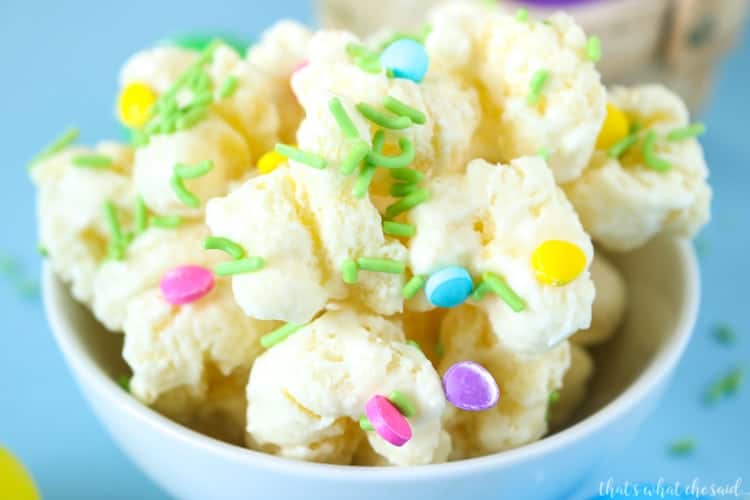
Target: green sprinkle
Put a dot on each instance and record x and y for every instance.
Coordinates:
(349, 271)
(413, 286)
(309, 159)
(124, 382)
(141, 215)
(355, 50)
(343, 120)
(165, 221)
(622, 146)
(279, 335)
(92, 161)
(414, 344)
(185, 196)
(439, 351)
(399, 229)
(138, 138)
(193, 171)
(480, 291)
(228, 87)
(402, 109)
(538, 81)
(399, 190)
(365, 424)
(201, 100)
(681, 134)
(407, 175)
(502, 290)
(544, 153)
(381, 265)
(726, 385)
(187, 120)
(65, 139)
(725, 335)
(225, 245)
(682, 447)
(653, 161)
(362, 185)
(403, 404)
(406, 203)
(9, 265)
(368, 64)
(246, 265)
(381, 119)
(522, 15)
(554, 397)
(113, 221)
(42, 250)
(594, 49)
(356, 154)
(402, 160)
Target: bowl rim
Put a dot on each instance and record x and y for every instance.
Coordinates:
(85, 369)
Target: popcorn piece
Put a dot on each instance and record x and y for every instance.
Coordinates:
(609, 305)
(280, 51)
(340, 361)
(212, 139)
(492, 219)
(148, 257)
(158, 67)
(622, 202)
(574, 387)
(304, 223)
(169, 347)
(441, 143)
(70, 207)
(525, 385)
(561, 113)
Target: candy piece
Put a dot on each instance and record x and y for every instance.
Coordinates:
(406, 59)
(300, 66)
(558, 262)
(15, 480)
(309, 159)
(165, 221)
(403, 404)
(226, 245)
(500, 288)
(270, 161)
(536, 86)
(365, 424)
(279, 335)
(400, 161)
(402, 109)
(228, 87)
(411, 288)
(241, 266)
(140, 215)
(342, 118)
(92, 161)
(135, 103)
(349, 271)
(594, 49)
(186, 284)
(615, 128)
(449, 287)
(354, 157)
(399, 229)
(387, 421)
(689, 132)
(469, 386)
(649, 156)
(381, 265)
(381, 119)
(65, 139)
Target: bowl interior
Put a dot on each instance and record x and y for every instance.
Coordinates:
(662, 294)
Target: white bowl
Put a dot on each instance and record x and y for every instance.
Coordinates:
(632, 372)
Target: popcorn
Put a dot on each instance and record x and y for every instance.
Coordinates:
(609, 305)
(70, 207)
(492, 219)
(574, 387)
(341, 360)
(621, 201)
(158, 67)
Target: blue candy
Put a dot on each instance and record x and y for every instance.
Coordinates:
(449, 287)
(407, 59)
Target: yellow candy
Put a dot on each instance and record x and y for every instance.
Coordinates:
(615, 128)
(134, 104)
(15, 481)
(558, 262)
(270, 161)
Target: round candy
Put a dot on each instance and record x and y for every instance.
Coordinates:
(185, 284)
(134, 104)
(406, 58)
(469, 386)
(449, 287)
(270, 161)
(558, 262)
(387, 420)
(615, 128)
(15, 480)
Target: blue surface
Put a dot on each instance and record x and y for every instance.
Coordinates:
(60, 62)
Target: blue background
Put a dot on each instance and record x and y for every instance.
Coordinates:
(59, 66)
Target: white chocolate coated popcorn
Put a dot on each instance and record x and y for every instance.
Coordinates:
(492, 219)
(622, 202)
(609, 305)
(70, 209)
(501, 55)
(307, 393)
(574, 387)
(304, 223)
(158, 67)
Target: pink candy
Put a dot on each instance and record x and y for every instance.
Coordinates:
(300, 66)
(388, 421)
(185, 284)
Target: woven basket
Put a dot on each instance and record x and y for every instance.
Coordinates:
(677, 42)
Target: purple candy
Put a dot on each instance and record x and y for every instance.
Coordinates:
(469, 386)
